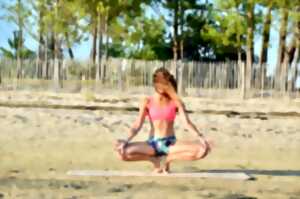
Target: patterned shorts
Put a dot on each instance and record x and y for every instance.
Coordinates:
(161, 145)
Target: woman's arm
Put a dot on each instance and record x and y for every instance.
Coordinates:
(190, 126)
(186, 120)
(137, 125)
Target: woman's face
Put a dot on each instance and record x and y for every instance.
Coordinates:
(162, 85)
(165, 89)
(159, 88)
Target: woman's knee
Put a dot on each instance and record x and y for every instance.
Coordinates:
(123, 156)
(200, 152)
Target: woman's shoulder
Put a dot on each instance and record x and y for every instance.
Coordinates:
(178, 102)
(145, 101)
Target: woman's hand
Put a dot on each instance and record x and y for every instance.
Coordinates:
(120, 146)
(205, 144)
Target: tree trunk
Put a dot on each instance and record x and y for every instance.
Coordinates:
(0, 76)
(40, 56)
(239, 53)
(19, 58)
(41, 48)
(20, 44)
(265, 37)
(52, 41)
(44, 67)
(291, 85)
(95, 35)
(175, 29)
(294, 67)
(175, 38)
(240, 73)
(71, 54)
(285, 66)
(45, 63)
(250, 35)
(56, 74)
(70, 51)
(52, 44)
(289, 54)
(105, 53)
(281, 46)
(181, 31)
(100, 41)
(265, 45)
(239, 62)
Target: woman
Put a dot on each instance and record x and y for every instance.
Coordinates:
(161, 111)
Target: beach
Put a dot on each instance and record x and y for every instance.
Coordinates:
(49, 134)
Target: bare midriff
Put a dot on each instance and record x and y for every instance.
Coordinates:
(163, 128)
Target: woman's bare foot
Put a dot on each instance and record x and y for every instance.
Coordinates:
(157, 170)
(156, 163)
(166, 168)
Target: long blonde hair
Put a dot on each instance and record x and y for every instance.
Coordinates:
(163, 76)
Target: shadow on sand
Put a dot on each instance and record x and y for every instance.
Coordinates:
(295, 173)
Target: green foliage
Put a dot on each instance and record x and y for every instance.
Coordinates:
(7, 53)
(142, 38)
(13, 43)
(227, 33)
(208, 30)
(17, 13)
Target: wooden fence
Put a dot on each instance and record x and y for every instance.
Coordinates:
(226, 79)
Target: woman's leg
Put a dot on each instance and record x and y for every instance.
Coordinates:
(140, 151)
(186, 150)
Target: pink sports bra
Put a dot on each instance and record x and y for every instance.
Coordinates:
(167, 112)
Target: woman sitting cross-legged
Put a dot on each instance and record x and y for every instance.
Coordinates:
(161, 109)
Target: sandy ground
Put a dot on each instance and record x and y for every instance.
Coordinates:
(38, 146)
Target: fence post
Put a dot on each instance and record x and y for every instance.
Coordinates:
(243, 78)
(121, 68)
(181, 83)
(262, 79)
(294, 69)
(103, 65)
(37, 63)
(56, 74)
(0, 74)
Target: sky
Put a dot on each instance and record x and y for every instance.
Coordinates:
(82, 51)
